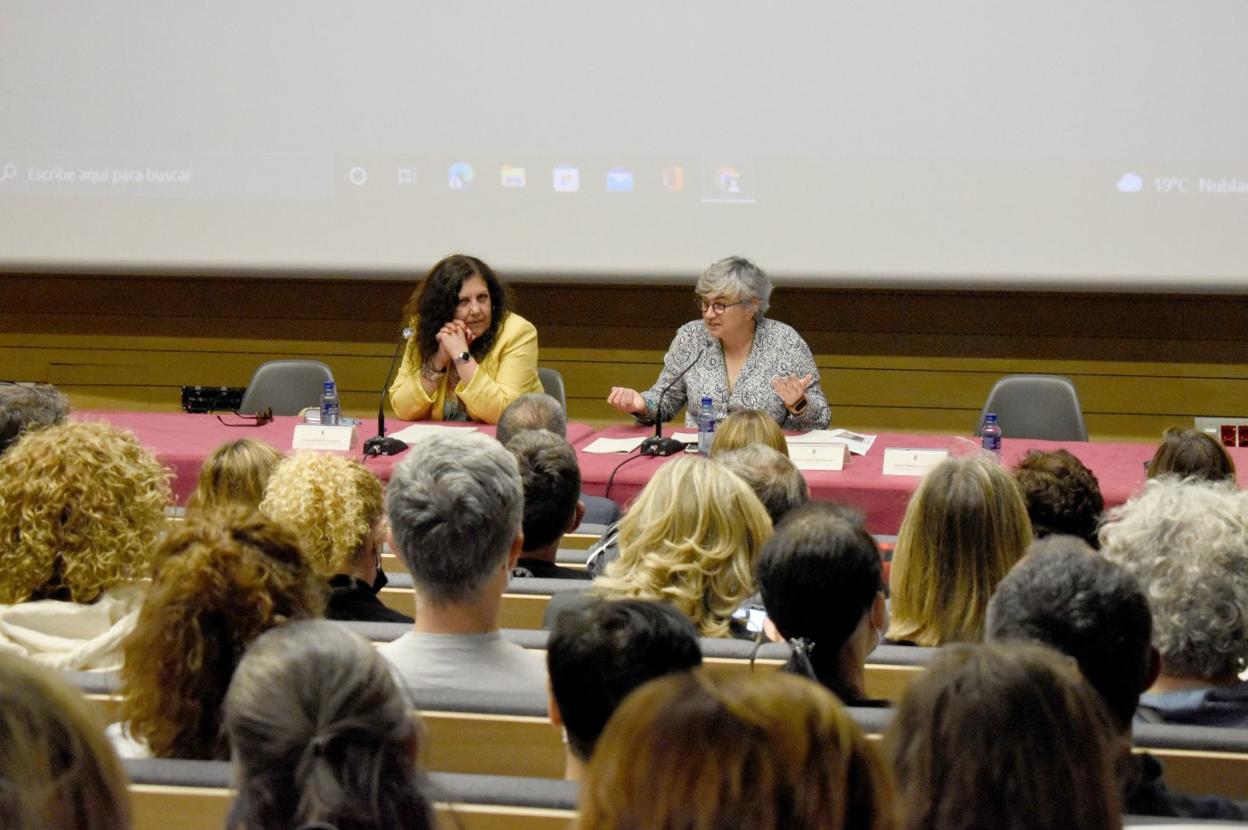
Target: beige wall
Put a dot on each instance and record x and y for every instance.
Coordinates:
(889, 360)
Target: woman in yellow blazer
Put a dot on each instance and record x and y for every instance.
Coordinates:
(470, 355)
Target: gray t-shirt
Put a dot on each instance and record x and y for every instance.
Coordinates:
(479, 662)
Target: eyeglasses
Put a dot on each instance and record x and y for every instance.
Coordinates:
(259, 419)
(717, 308)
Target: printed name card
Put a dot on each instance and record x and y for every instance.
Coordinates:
(819, 456)
(316, 437)
(901, 461)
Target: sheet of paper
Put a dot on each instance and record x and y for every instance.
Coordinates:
(610, 445)
(858, 443)
(686, 437)
(416, 432)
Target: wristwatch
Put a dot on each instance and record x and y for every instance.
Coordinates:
(799, 407)
(463, 358)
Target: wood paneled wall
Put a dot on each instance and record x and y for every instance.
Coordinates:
(889, 360)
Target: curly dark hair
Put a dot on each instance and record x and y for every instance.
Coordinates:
(224, 578)
(432, 305)
(1062, 495)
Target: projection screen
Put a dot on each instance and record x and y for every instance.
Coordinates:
(1070, 144)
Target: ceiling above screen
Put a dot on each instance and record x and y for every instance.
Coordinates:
(966, 142)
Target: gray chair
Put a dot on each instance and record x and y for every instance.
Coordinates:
(287, 386)
(1036, 406)
(552, 384)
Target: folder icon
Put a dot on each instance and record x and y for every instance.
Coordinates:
(512, 176)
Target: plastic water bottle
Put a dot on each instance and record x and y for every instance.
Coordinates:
(329, 405)
(990, 435)
(706, 425)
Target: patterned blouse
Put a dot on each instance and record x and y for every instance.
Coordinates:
(777, 350)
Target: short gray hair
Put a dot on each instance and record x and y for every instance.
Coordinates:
(536, 410)
(29, 406)
(1187, 543)
(455, 506)
(776, 480)
(736, 276)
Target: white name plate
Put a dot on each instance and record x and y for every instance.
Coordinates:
(819, 456)
(317, 437)
(900, 461)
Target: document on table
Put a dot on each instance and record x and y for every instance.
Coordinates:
(857, 442)
(610, 445)
(416, 433)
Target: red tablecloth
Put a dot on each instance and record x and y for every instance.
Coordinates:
(1119, 467)
(182, 441)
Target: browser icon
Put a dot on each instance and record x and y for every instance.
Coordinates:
(460, 176)
(619, 180)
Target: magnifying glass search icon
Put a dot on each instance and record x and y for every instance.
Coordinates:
(10, 172)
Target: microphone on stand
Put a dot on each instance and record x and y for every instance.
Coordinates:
(657, 444)
(380, 444)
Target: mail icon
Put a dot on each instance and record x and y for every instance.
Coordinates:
(619, 180)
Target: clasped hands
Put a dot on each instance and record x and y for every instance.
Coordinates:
(453, 339)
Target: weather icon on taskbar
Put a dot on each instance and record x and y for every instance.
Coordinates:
(728, 180)
(1130, 183)
(460, 176)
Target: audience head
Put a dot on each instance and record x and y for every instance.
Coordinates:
(821, 580)
(333, 504)
(691, 538)
(1191, 453)
(1062, 495)
(319, 732)
(535, 410)
(745, 427)
(552, 486)
(997, 736)
(737, 277)
(57, 770)
(224, 579)
(434, 302)
(456, 506)
(1187, 543)
(766, 751)
(1064, 596)
(775, 479)
(964, 529)
(598, 654)
(26, 406)
(81, 507)
(235, 473)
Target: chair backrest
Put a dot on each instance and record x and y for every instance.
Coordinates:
(287, 386)
(552, 384)
(1036, 406)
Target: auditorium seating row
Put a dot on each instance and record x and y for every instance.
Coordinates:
(511, 734)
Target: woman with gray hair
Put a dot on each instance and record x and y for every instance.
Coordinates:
(321, 735)
(735, 356)
(1186, 541)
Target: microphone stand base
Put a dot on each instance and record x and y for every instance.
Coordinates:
(661, 446)
(381, 445)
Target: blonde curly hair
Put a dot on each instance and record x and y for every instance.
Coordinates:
(332, 503)
(225, 577)
(81, 509)
(691, 539)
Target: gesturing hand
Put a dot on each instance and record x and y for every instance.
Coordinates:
(626, 400)
(791, 388)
